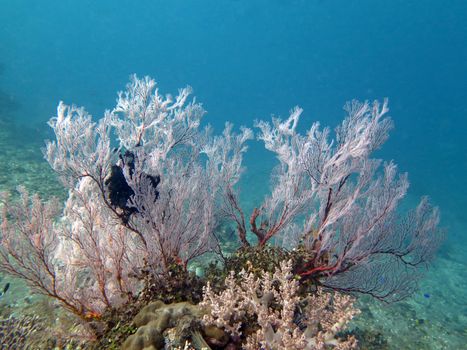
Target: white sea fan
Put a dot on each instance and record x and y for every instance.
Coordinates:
(171, 175)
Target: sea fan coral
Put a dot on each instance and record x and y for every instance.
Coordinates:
(94, 254)
(329, 197)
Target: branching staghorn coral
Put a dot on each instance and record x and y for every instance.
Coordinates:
(285, 320)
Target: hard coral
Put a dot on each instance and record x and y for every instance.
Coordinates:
(283, 319)
(166, 325)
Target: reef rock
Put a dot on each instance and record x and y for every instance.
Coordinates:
(166, 326)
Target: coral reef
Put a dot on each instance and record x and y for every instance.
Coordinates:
(139, 213)
(95, 254)
(19, 333)
(283, 319)
(166, 326)
(331, 198)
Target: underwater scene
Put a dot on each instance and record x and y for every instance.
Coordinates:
(232, 174)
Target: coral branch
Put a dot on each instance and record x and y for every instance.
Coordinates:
(329, 196)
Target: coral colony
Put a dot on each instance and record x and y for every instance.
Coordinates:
(149, 191)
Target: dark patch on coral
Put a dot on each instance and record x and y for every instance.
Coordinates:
(118, 189)
(367, 339)
(176, 285)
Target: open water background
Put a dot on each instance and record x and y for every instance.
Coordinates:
(251, 59)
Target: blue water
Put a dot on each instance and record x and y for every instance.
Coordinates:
(251, 59)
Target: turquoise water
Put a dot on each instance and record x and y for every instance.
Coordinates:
(251, 59)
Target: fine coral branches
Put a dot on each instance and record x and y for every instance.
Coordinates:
(29, 243)
(93, 257)
(314, 174)
(285, 319)
(330, 197)
(158, 124)
(148, 188)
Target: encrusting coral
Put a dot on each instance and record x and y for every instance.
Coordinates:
(163, 326)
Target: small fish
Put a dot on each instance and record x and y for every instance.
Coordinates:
(426, 295)
(5, 289)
